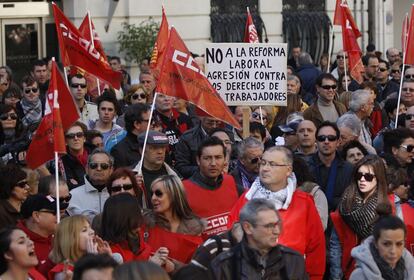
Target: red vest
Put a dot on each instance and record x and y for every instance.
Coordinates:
(213, 205)
(181, 247)
(348, 240)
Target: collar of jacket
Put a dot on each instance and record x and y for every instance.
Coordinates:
(206, 182)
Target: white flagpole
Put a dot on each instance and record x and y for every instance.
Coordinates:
(346, 75)
(146, 135)
(261, 115)
(57, 187)
(93, 45)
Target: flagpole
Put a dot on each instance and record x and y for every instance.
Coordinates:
(66, 75)
(146, 134)
(345, 74)
(399, 91)
(261, 115)
(93, 45)
(330, 50)
(57, 187)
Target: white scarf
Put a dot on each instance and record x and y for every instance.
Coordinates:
(281, 198)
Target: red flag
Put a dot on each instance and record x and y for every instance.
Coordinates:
(350, 33)
(409, 51)
(159, 46)
(49, 137)
(181, 77)
(338, 12)
(404, 33)
(78, 51)
(85, 31)
(250, 32)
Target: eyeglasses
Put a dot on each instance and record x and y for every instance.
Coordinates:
(5, 117)
(269, 226)
(65, 199)
(78, 85)
(157, 193)
(341, 57)
(254, 160)
(48, 211)
(118, 188)
(322, 138)
(75, 135)
(409, 117)
(408, 89)
(103, 166)
(263, 162)
(382, 69)
(28, 90)
(393, 71)
(328, 87)
(22, 184)
(368, 176)
(409, 148)
(138, 95)
(408, 76)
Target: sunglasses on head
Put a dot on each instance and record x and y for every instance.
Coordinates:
(11, 116)
(73, 135)
(368, 176)
(157, 193)
(28, 90)
(78, 85)
(118, 188)
(138, 95)
(409, 117)
(95, 165)
(322, 138)
(409, 148)
(328, 87)
(22, 184)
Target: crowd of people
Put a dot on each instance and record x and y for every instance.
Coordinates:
(319, 189)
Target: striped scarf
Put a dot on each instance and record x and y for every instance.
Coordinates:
(361, 217)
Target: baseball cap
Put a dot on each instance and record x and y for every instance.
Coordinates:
(154, 138)
(292, 123)
(37, 202)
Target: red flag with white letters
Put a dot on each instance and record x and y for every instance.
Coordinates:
(77, 51)
(159, 46)
(250, 32)
(49, 136)
(85, 30)
(350, 33)
(181, 77)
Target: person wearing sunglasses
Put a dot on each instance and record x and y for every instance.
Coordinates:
(13, 191)
(277, 183)
(123, 180)
(399, 149)
(39, 223)
(325, 108)
(171, 222)
(249, 152)
(13, 136)
(395, 72)
(89, 199)
(407, 91)
(383, 84)
(126, 152)
(331, 172)
(79, 88)
(341, 57)
(47, 186)
(30, 108)
(74, 161)
(356, 214)
(136, 94)
(409, 118)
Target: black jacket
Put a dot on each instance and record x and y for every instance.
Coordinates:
(186, 151)
(126, 153)
(242, 262)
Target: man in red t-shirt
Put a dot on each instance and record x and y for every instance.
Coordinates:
(210, 193)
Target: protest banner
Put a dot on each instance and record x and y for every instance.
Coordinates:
(248, 74)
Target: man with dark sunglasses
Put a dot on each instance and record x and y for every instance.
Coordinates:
(407, 92)
(331, 172)
(89, 199)
(78, 88)
(325, 108)
(384, 85)
(30, 108)
(39, 223)
(250, 151)
(399, 149)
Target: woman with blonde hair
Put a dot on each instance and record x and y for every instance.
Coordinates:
(171, 223)
(137, 93)
(74, 238)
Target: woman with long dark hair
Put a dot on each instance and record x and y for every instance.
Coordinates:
(356, 214)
